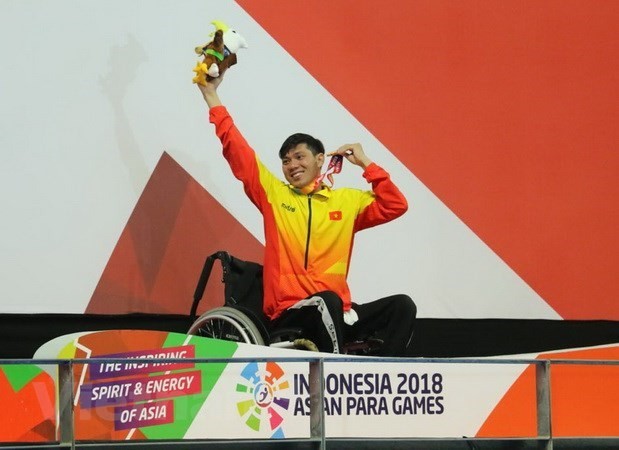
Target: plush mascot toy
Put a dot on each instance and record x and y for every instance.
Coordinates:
(219, 54)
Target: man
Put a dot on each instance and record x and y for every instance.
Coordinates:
(309, 232)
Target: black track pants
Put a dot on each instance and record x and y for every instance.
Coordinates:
(390, 319)
(314, 323)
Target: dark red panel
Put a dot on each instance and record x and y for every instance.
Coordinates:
(156, 264)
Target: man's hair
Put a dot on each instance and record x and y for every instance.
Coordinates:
(301, 138)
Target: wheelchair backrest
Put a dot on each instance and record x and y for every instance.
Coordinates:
(242, 283)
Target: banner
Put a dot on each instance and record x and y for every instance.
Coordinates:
(123, 395)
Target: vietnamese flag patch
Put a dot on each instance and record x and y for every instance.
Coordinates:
(335, 215)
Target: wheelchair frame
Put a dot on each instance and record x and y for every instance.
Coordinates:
(241, 319)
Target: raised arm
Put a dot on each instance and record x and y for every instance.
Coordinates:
(241, 157)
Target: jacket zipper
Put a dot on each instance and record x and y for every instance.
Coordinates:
(309, 229)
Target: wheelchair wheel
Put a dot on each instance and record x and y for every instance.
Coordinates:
(228, 324)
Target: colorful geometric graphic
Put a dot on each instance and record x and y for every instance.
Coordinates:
(264, 389)
(28, 396)
(584, 398)
(139, 400)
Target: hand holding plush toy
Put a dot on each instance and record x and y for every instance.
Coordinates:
(219, 54)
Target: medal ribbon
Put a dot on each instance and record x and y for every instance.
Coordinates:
(335, 166)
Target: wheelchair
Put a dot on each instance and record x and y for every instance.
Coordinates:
(241, 318)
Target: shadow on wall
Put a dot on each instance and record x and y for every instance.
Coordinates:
(124, 62)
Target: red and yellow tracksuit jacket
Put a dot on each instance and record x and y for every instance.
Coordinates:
(309, 238)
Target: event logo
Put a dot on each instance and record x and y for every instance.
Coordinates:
(265, 390)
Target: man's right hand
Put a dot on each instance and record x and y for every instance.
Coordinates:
(209, 90)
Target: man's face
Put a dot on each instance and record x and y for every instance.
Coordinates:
(301, 167)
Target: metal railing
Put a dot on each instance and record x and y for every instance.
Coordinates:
(317, 436)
